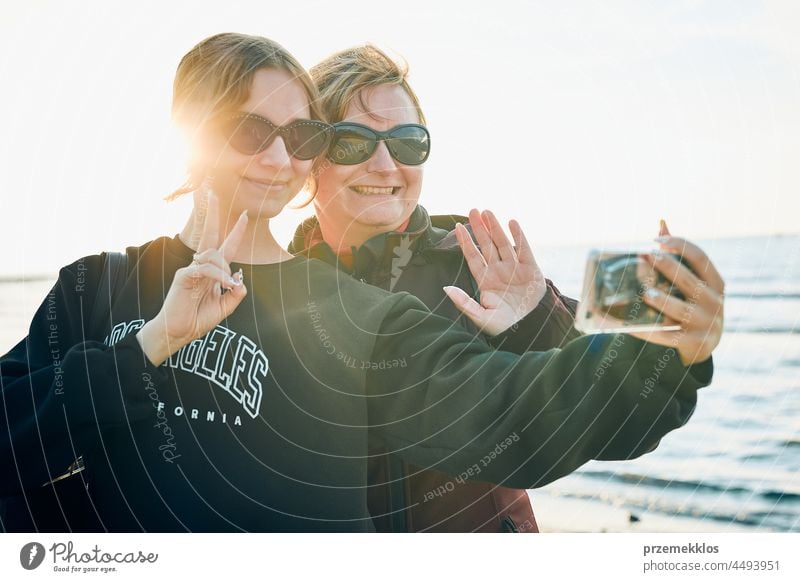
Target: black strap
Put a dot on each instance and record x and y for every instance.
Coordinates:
(112, 277)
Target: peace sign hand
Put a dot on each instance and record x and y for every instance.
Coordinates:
(202, 294)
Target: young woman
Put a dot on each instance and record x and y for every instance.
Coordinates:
(231, 387)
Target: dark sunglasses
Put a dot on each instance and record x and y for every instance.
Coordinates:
(353, 143)
(251, 134)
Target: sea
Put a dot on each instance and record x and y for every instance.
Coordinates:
(736, 464)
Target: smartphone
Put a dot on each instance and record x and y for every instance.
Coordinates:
(613, 286)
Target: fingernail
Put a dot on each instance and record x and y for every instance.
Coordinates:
(232, 281)
(243, 214)
(653, 293)
(240, 274)
(662, 239)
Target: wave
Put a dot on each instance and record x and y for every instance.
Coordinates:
(692, 485)
(741, 295)
(780, 496)
(35, 277)
(663, 483)
(735, 328)
(770, 519)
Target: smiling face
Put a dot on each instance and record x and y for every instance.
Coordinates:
(265, 182)
(354, 203)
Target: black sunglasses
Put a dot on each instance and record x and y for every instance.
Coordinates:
(251, 134)
(353, 143)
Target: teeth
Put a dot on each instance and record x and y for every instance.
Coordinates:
(373, 190)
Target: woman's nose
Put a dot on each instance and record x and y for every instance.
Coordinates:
(381, 160)
(276, 155)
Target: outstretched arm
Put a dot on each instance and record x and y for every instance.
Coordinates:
(600, 397)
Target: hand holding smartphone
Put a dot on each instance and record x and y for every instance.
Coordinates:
(614, 287)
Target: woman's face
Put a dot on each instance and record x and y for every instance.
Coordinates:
(379, 194)
(265, 182)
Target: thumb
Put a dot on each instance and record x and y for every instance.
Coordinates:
(467, 305)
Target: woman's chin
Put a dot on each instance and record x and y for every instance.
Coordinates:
(264, 209)
(382, 217)
(262, 205)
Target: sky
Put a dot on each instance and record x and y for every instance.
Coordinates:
(586, 121)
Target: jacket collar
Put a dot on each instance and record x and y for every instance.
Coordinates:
(423, 232)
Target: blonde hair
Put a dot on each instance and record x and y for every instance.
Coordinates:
(341, 77)
(215, 77)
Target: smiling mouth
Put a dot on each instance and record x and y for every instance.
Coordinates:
(375, 190)
(267, 183)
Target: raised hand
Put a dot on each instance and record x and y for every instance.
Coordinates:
(701, 314)
(202, 294)
(510, 282)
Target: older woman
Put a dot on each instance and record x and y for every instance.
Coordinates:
(369, 223)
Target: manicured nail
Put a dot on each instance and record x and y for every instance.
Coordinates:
(243, 214)
(240, 275)
(662, 239)
(653, 293)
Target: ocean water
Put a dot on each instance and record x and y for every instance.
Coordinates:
(737, 462)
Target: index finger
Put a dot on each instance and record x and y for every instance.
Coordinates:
(697, 260)
(474, 258)
(524, 252)
(210, 236)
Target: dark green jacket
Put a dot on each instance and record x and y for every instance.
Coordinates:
(427, 256)
(421, 260)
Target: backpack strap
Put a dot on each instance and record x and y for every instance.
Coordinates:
(112, 277)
